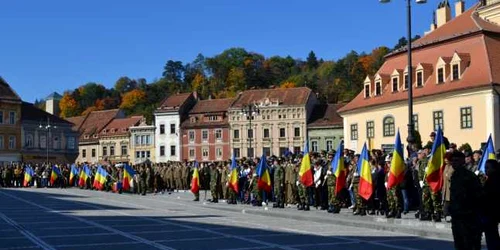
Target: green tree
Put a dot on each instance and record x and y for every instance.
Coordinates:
(312, 61)
(173, 71)
(125, 84)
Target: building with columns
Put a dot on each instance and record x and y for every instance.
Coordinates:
(115, 140)
(456, 84)
(278, 125)
(10, 124)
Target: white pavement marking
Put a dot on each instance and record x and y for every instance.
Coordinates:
(127, 235)
(40, 243)
(99, 244)
(76, 235)
(192, 239)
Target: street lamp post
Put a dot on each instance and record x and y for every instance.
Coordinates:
(47, 127)
(250, 111)
(411, 126)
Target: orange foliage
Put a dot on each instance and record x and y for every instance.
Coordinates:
(287, 85)
(366, 62)
(133, 98)
(68, 106)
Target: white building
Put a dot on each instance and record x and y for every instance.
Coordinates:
(168, 118)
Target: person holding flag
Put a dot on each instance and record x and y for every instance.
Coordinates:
(233, 184)
(84, 176)
(336, 179)
(28, 176)
(395, 178)
(54, 175)
(433, 181)
(362, 181)
(488, 154)
(263, 178)
(128, 177)
(305, 179)
(195, 182)
(72, 174)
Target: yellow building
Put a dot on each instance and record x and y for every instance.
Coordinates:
(114, 140)
(142, 143)
(456, 85)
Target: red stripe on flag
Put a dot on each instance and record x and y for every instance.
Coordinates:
(365, 189)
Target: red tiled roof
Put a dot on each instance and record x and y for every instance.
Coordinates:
(212, 106)
(77, 121)
(289, 96)
(483, 70)
(325, 115)
(93, 123)
(120, 126)
(174, 102)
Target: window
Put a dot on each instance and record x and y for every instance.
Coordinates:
(84, 153)
(191, 153)
(218, 153)
(282, 132)
(266, 151)
(104, 151)
(29, 141)
(204, 153)
(162, 150)
(438, 120)
(162, 129)
(93, 153)
(111, 150)
(455, 72)
(143, 154)
(12, 117)
(354, 132)
(236, 152)
(148, 139)
(124, 150)
(236, 134)
(1, 117)
(378, 88)
(415, 122)
(191, 136)
(56, 143)
(43, 141)
(148, 154)
(143, 140)
(137, 140)
(266, 133)
(218, 134)
(395, 84)
(466, 117)
(440, 75)
(389, 128)
(314, 146)
(212, 118)
(204, 135)
(370, 129)
(406, 81)
(250, 133)
(297, 132)
(420, 79)
(137, 154)
(172, 129)
(329, 146)
(367, 90)
(12, 142)
(172, 151)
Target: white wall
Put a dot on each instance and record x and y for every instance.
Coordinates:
(167, 139)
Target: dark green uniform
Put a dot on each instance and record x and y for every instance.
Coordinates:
(431, 201)
(333, 202)
(214, 182)
(279, 180)
(142, 181)
(360, 201)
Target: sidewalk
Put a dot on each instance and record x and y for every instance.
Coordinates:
(407, 224)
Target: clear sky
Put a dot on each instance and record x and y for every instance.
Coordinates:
(56, 45)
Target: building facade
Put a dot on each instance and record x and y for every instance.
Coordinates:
(168, 118)
(114, 140)
(325, 128)
(456, 86)
(205, 134)
(10, 124)
(89, 128)
(142, 143)
(46, 137)
(279, 125)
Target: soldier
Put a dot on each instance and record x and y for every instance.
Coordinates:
(214, 182)
(303, 193)
(224, 179)
(279, 182)
(289, 181)
(256, 193)
(178, 177)
(431, 201)
(360, 202)
(149, 178)
(183, 176)
(333, 203)
(142, 181)
(393, 195)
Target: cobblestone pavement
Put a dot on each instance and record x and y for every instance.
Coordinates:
(81, 219)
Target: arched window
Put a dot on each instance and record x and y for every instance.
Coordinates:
(29, 141)
(389, 129)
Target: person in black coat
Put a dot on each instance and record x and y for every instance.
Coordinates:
(491, 211)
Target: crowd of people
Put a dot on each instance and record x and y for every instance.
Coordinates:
(469, 198)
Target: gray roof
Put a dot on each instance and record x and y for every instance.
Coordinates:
(54, 96)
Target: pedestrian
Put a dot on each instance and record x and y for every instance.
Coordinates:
(491, 216)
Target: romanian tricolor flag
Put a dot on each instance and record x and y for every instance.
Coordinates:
(100, 178)
(488, 154)
(117, 186)
(396, 174)
(365, 188)
(55, 174)
(72, 174)
(195, 180)
(233, 177)
(28, 176)
(264, 178)
(84, 175)
(338, 168)
(305, 172)
(128, 174)
(434, 172)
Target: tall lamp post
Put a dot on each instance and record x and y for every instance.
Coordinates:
(47, 127)
(250, 111)
(411, 126)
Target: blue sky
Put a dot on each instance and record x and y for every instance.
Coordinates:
(56, 45)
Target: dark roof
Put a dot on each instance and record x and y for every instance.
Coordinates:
(7, 93)
(174, 102)
(31, 113)
(325, 115)
(212, 106)
(54, 96)
(288, 96)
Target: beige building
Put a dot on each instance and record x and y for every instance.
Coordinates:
(456, 86)
(10, 124)
(114, 140)
(142, 143)
(278, 126)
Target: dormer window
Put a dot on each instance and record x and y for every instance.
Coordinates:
(367, 90)
(86, 136)
(440, 75)
(104, 131)
(395, 84)
(95, 136)
(455, 69)
(420, 79)
(406, 81)
(378, 88)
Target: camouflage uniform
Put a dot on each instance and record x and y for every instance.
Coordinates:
(431, 201)
(257, 194)
(214, 181)
(333, 202)
(360, 201)
(289, 183)
(279, 179)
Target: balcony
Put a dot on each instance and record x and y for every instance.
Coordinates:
(236, 139)
(281, 139)
(297, 138)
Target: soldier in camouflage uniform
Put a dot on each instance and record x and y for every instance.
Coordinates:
(256, 193)
(431, 201)
(302, 193)
(214, 182)
(224, 178)
(360, 201)
(289, 182)
(393, 196)
(142, 181)
(279, 183)
(333, 202)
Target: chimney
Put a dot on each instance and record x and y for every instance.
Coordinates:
(459, 7)
(443, 13)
